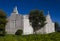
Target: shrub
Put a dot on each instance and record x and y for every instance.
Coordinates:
(19, 32)
(33, 37)
(2, 32)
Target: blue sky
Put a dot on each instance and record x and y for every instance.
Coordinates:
(25, 6)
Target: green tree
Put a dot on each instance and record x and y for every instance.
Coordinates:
(37, 19)
(3, 22)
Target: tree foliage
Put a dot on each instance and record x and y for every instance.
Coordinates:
(3, 22)
(37, 19)
(19, 32)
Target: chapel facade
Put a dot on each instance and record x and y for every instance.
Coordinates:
(17, 21)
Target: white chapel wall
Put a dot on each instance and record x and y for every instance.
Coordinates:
(27, 28)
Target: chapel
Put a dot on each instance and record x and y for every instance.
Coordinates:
(18, 21)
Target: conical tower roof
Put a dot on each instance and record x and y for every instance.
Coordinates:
(15, 10)
(48, 15)
(14, 14)
(48, 18)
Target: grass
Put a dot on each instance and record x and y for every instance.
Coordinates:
(38, 37)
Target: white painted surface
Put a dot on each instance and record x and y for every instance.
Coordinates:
(49, 27)
(27, 28)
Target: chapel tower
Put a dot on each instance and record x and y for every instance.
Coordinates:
(14, 22)
(49, 27)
